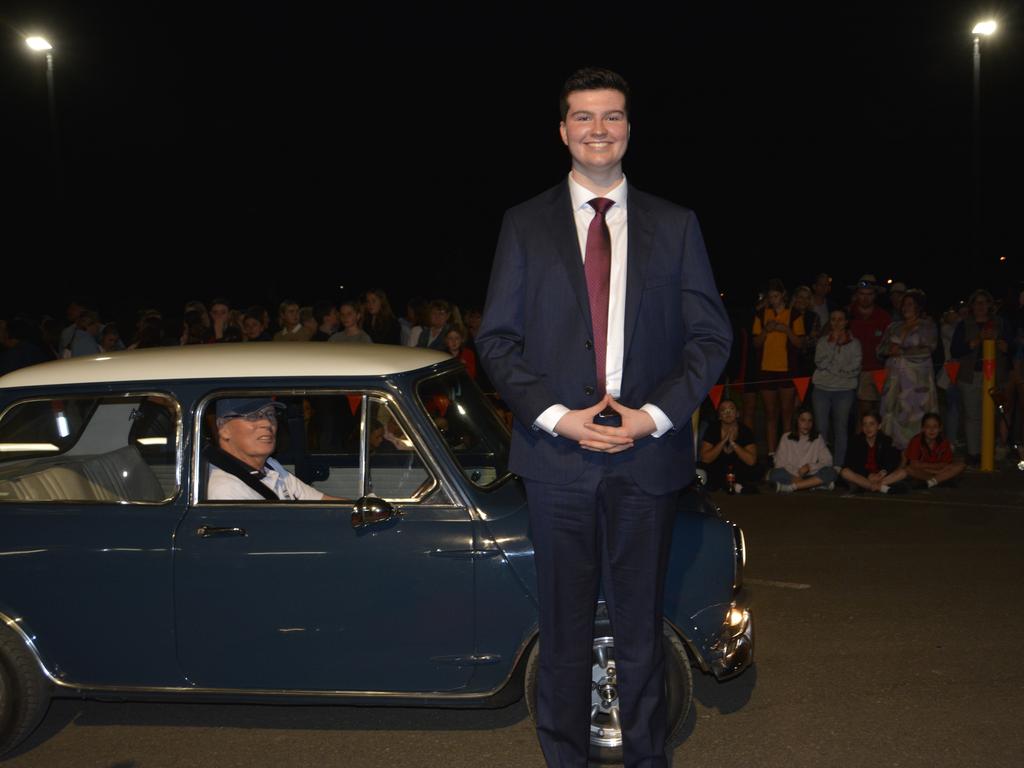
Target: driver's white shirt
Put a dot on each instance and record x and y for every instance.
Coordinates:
(223, 486)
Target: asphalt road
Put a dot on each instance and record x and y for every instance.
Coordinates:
(888, 634)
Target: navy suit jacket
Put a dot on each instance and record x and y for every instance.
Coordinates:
(536, 339)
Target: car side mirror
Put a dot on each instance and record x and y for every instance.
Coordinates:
(371, 509)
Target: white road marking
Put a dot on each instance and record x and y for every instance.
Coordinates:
(781, 584)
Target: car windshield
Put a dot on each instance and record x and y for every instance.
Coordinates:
(470, 426)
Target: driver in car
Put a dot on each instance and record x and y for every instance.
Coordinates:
(241, 462)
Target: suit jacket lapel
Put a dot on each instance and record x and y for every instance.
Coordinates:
(567, 246)
(641, 240)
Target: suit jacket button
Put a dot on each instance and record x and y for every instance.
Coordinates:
(588, 391)
(589, 345)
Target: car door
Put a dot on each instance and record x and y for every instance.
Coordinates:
(292, 596)
(89, 501)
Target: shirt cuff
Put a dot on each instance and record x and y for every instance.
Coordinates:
(549, 419)
(662, 422)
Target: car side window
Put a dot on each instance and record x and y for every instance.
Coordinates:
(397, 470)
(319, 441)
(114, 449)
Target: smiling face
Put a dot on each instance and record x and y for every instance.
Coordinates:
(931, 429)
(249, 441)
(727, 412)
(596, 131)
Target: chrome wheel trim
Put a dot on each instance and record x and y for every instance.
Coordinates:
(605, 726)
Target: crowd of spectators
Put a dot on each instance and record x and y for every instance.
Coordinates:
(874, 391)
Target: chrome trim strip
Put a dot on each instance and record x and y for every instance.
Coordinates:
(141, 689)
(468, 661)
(15, 626)
(739, 546)
(465, 554)
(364, 448)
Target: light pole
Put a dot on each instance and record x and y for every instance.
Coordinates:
(982, 28)
(42, 45)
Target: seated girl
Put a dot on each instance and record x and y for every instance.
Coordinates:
(872, 462)
(728, 447)
(928, 456)
(802, 459)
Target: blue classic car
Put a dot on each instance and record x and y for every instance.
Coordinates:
(413, 583)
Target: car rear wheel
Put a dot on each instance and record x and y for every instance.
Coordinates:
(605, 724)
(24, 693)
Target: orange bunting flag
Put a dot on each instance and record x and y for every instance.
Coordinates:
(952, 370)
(354, 401)
(438, 405)
(716, 395)
(880, 376)
(801, 385)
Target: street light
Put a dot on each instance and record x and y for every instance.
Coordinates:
(985, 28)
(42, 45)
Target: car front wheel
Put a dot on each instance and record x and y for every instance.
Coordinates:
(605, 723)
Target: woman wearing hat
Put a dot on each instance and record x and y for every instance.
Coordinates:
(906, 347)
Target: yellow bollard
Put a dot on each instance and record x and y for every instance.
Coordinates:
(988, 406)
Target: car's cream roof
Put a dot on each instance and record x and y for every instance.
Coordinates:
(228, 361)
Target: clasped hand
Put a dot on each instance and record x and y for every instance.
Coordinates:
(580, 427)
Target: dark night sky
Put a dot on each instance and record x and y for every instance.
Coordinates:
(262, 149)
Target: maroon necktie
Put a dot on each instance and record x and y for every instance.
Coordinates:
(598, 269)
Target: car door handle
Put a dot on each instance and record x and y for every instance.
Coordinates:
(209, 531)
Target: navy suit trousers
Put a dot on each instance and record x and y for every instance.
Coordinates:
(601, 530)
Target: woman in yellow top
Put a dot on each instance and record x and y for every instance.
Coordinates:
(777, 336)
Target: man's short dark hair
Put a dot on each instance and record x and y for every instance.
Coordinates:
(592, 79)
(321, 310)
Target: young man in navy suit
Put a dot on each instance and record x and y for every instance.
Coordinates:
(603, 332)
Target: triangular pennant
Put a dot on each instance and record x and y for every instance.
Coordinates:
(988, 369)
(801, 385)
(438, 404)
(952, 370)
(354, 401)
(880, 376)
(716, 395)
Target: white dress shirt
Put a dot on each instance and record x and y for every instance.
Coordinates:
(583, 214)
